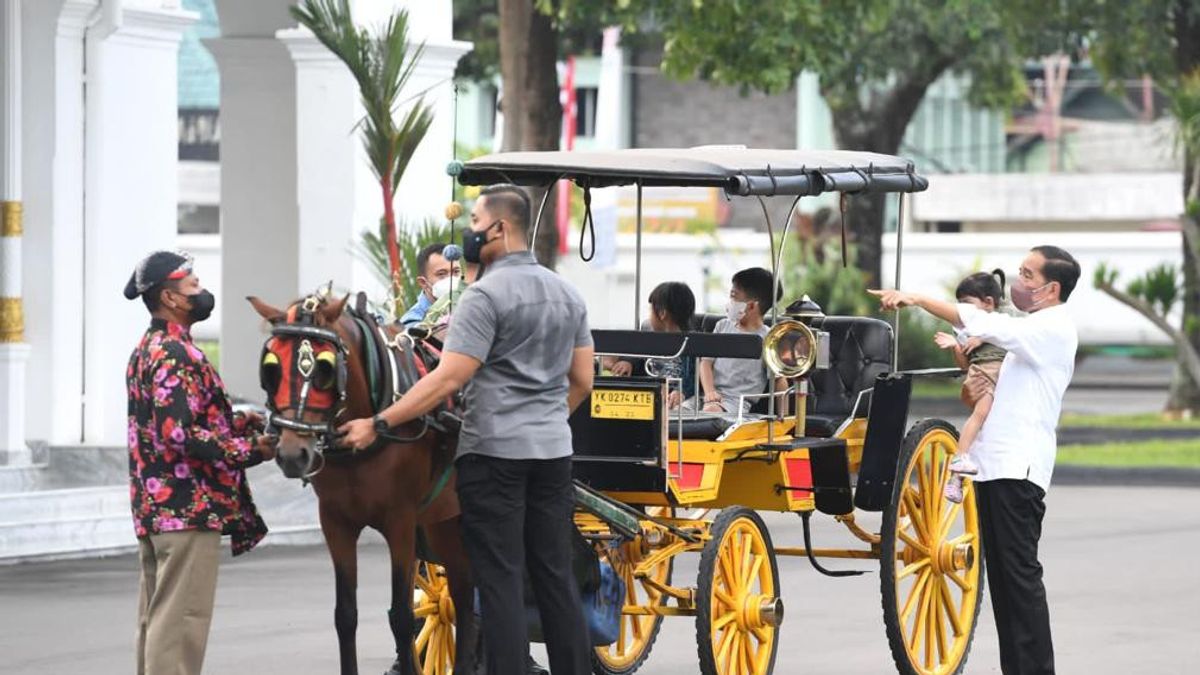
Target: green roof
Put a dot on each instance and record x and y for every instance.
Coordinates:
(199, 81)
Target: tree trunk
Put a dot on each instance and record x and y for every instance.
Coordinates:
(531, 107)
(1185, 391)
(877, 123)
(864, 130)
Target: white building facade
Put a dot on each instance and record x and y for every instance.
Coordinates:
(89, 184)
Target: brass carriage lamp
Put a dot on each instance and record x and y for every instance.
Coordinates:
(791, 349)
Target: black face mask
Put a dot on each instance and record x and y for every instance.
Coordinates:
(202, 306)
(473, 243)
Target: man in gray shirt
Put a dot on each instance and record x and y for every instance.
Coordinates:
(520, 338)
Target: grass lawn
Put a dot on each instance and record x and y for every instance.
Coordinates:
(1153, 453)
(1140, 421)
(937, 387)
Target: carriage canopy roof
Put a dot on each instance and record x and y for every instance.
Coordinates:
(738, 170)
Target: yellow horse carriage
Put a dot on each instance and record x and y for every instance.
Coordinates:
(654, 484)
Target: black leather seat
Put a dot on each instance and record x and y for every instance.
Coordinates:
(860, 349)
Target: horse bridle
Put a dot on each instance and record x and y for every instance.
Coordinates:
(325, 432)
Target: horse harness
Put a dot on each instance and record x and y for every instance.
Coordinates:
(393, 364)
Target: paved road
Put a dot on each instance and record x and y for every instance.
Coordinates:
(1120, 564)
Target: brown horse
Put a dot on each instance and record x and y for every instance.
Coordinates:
(316, 370)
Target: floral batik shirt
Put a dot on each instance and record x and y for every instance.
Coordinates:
(187, 450)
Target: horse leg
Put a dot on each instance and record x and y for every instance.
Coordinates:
(401, 540)
(446, 539)
(342, 542)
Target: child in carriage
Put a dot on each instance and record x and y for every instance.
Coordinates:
(982, 362)
(672, 306)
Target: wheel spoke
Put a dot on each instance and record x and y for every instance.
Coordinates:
(914, 596)
(922, 481)
(761, 634)
(950, 517)
(962, 583)
(621, 634)
(951, 610)
(919, 625)
(424, 584)
(726, 643)
(747, 557)
(762, 658)
(724, 619)
(450, 648)
(755, 568)
(430, 659)
(916, 545)
(422, 640)
(725, 598)
(964, 538)
(728, 566)
(747, 655)
(914, 513)
(424, 609)
(913, 568)
(939, 625)
(735, 653)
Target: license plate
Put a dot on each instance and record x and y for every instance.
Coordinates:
(623, 404)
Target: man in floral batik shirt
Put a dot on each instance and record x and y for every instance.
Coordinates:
(188, 453)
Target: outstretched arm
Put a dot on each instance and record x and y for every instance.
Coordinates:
(452, 374)
(893, 299)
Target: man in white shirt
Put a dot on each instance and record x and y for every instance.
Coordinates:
(1016, 446)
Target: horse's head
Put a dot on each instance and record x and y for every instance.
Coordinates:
(309, 375)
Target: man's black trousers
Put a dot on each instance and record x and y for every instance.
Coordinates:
(518, 513)
(1010, 519)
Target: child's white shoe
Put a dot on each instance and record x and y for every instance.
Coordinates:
(962, 465)
(954, 489)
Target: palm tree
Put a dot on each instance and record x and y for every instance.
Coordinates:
(381, 64)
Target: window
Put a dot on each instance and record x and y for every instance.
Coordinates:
(585, 111)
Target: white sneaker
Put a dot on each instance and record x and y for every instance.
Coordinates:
(962, 464)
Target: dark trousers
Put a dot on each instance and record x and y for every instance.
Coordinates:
(518, 513)
(1010, 520)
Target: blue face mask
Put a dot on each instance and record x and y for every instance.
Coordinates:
(473, 243)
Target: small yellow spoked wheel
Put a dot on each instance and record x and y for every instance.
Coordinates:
(433, 611)
(638, 631)
(931, 563)
(738, 610)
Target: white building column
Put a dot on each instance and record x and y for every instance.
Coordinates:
(52, 187)
(259, 247)
(131, 185)
(14, 352)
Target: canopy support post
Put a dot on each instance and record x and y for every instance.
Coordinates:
(537, 224)
(637, 277)
(896, 282)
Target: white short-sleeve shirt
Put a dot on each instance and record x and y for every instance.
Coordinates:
(1018, 438)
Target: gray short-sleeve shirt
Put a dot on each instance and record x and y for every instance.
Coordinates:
(735, 378)
(522, 322)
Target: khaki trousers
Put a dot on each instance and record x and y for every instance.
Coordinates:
(178, 586)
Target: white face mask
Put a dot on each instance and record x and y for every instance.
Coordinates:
(442, 287)
(735, 310)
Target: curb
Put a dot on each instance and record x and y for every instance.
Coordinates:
(1074, 474)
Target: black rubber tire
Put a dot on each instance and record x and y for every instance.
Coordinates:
(704, 581)
(887, 565)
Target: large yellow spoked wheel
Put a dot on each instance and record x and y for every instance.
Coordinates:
(738, 610)
(434, 614)
(638, 631)
(931, 567)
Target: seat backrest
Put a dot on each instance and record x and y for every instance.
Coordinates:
(860, 349)
(708, 322)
